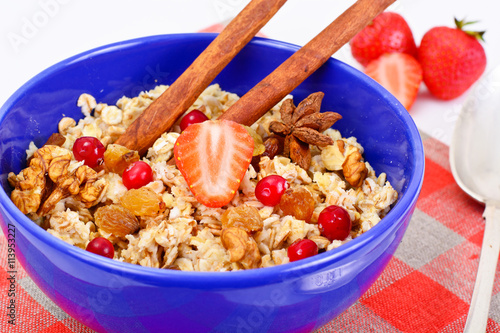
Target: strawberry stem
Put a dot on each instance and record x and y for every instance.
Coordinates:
(476, 34)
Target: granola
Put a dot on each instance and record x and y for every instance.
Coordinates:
(71, 201)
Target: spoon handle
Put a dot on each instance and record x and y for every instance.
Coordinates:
(480, 303)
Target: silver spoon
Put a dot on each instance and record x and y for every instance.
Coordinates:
(475, 164)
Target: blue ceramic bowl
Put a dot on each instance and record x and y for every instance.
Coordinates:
(110, 296)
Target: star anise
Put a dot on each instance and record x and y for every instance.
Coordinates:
(303, 126)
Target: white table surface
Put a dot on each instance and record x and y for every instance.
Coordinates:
(38, 33)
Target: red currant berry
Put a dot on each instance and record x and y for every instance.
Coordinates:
(193, 117)
(334, 223)
(136, 175)
(102, 247)
(302, 248)
(270, 189)
(90, 150)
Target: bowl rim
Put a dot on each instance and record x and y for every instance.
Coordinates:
(234, 279)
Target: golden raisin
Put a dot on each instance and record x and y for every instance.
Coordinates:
(244, 217)
(298, 202)
(116, 220)
(143, 202)
(117, 158)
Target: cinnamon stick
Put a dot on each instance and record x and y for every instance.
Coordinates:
(165, 110)
(273, 88)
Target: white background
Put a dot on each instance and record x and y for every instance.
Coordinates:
(35, 34)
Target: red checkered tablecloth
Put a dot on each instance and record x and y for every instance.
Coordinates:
(425, 288)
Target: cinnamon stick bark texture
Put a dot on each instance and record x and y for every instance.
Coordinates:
(273, 88)
(165, 110)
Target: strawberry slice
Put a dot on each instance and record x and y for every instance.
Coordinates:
(399, 73)
(213, 156)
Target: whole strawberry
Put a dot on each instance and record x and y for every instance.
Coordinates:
(452, 60)
(387, 33)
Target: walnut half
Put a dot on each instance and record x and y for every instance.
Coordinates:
(31, 183)
(354, 169)
(48, 179)
(242, 248)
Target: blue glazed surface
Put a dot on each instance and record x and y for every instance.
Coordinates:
(109, 296)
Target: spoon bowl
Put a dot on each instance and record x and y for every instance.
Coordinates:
(474, 157)
(475, 164)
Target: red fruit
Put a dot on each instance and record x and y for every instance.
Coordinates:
(387, 33)
(136, 175)
(452, 60)
(399, 73)
(90, 150)
(270, 189)
(193, 117)
(302, 248)
(334, 223)
(213, 156)
(102, 247)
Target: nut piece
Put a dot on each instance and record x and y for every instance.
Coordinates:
(26, 202)
(30, 184)
(334, 156)
(94, 187)
(116, 220)
(34, 192)
(354, 169)
(59, 160)
(67, 184)
(242, 248)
